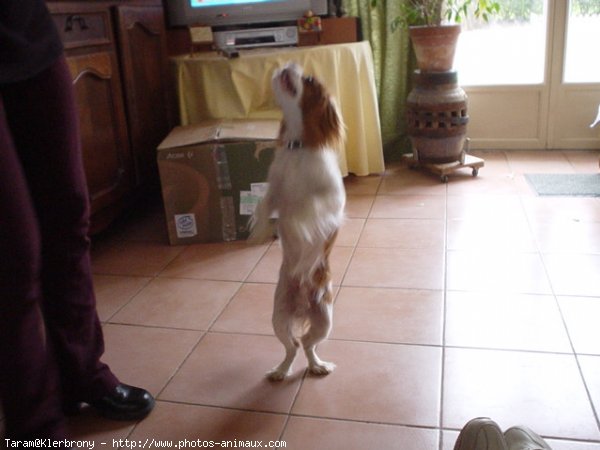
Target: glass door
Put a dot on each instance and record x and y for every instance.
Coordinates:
(575, 75)
(532, 75)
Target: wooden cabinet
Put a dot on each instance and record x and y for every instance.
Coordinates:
(336, 30)
(106, 156)
(143, 47)
(116, 52)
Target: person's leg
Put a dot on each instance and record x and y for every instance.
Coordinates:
(29, 385)
(44, 124)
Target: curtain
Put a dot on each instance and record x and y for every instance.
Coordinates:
(393, 65)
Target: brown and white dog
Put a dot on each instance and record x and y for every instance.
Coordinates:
(307, 192)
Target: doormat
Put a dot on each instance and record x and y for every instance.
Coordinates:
(567, 184)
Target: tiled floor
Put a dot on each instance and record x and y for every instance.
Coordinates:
(472, 298)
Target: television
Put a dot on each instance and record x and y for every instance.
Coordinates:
(235, 13)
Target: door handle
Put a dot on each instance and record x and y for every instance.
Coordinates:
(597, 120)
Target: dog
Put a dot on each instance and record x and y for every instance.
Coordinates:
(306, 190)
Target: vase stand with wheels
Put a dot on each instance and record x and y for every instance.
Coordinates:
(443, 169)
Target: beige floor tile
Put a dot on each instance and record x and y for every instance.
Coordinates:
(583, 161)
(89, 426)
(590, 368)
(393, 267)
(397, 384)
(147, 357)
(339, 260)
(486, 207)
(179, 422)
(133, 258)
(229, 370)
(526, 190)
(267, 269)
(479, 234)
(362, 185)
(249, 311)
(505, 321)
(496, 272)
(400, 180)
(581, 317)
(409, 207)
(568, 236)
(404, 233)
(350, 232)
(115, 291)
(388, 315)
(533, 161)
(485, 183)
(232, 261)
(449, 439)
(323, 434)
(558, 209)
(178, 303)
(544, 391)
(359, 206)
(574, 274)
(150, 226)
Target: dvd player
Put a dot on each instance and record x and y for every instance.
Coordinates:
(257, 37)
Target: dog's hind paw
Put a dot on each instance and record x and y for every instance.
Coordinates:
(277, 374)
(321, 368)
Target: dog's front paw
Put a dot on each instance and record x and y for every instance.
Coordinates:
(321, 368)
(277, 374)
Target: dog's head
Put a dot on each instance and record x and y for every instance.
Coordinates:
(309, 113)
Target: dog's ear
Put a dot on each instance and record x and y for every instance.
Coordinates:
(330, 123)
(322, 123)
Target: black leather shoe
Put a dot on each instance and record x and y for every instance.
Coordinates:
(125, 403)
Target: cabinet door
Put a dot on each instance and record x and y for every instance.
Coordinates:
(142, 47)
(103, 127)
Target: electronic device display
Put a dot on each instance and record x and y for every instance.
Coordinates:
(239, 13)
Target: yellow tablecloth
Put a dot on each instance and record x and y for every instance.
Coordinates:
(210, 86)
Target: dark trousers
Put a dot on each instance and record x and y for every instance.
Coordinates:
(50, 336)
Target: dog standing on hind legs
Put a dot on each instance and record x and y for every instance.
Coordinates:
(307, 192)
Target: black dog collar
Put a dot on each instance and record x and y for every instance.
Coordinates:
(294, 145)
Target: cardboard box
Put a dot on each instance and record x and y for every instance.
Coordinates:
(212, 176)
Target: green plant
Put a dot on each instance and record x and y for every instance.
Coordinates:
(432, 12)
(520, 10)
(585, 7)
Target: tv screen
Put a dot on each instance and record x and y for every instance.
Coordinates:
(218, 13)
(206, 3)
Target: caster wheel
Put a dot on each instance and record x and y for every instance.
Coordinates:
(475, 172)
(444, 178)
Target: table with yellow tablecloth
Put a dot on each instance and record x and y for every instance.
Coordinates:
(211, 86)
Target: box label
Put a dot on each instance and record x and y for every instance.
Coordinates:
(185, 225)
(259, 189)
(248, 202)
(250, 199)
